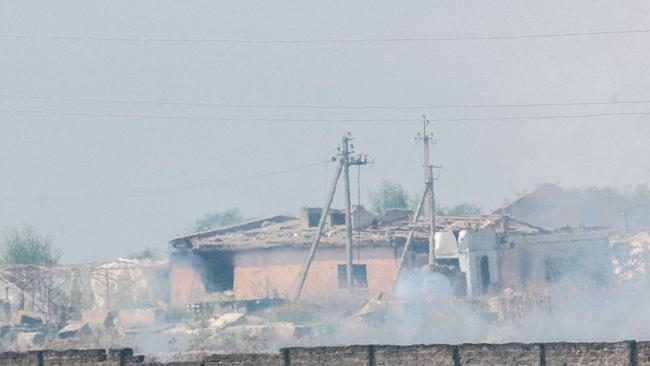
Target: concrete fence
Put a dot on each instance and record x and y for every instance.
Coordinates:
(120, 357)
(630, 353)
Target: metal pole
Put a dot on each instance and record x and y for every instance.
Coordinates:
(409, 238)
(106, 290)
(432, 236)
(319, 233)
(348, 211)
(358, 212)
(428, 179)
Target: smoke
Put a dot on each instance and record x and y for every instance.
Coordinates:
(578, 312)
(424, 310)
(583, 306)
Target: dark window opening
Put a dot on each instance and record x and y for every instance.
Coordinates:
(313, 218)
(456, 233)
(448, 262)
(337, 218)
(420, 246)
(484, 264)
(558, 269)
(359, 276)
(219, 272)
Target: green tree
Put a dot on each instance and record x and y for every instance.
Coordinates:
(23, 245)
(388, 195)
(215, 220)
(632, 200)
(461, 209)
(146, 253)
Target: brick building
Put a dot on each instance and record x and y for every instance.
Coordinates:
(262, 259)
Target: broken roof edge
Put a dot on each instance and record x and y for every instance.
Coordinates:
(201, 241)
(569, 230)
(247, 225)
(542, 230)
(388, 243)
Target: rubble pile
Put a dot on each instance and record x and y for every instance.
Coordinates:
(631, 256)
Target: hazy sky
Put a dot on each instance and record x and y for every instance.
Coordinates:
(88, 180)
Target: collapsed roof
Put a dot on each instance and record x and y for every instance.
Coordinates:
(289, 232)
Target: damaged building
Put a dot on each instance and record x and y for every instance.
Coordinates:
(262, 259)
(509, 254)
(552, 206)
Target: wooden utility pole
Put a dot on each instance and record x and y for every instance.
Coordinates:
(409, 238)
(107, 301)
(349, 159)
(345, 158)
(427, 138)
(428, 193)
(319, 232)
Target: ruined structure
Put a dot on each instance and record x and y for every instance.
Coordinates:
(552, 206)
(261, 259)
(509, 254)
(66, 305)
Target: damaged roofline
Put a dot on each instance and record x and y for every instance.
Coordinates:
(390, 236)
(185, 241)
(391, 243)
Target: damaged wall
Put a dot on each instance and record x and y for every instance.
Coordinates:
(478, 259)
(186, 279)
(132, 283)
(539, 260)
(273, 272)
(494, 262)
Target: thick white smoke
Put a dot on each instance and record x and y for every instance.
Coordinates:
(424, 310)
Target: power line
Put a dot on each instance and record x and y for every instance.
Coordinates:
(333, 120)
(165, 190)
(201, 118)
(322, 106)
(317, 41)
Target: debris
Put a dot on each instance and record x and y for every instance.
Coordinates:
(137, 318)
(29, 318)
(631, 256)
(283, 329)
(27, 340)
(226, 320)
(94, 317)
(374, 309)
(74, 330)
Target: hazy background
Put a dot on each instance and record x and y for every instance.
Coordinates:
(89, 180)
